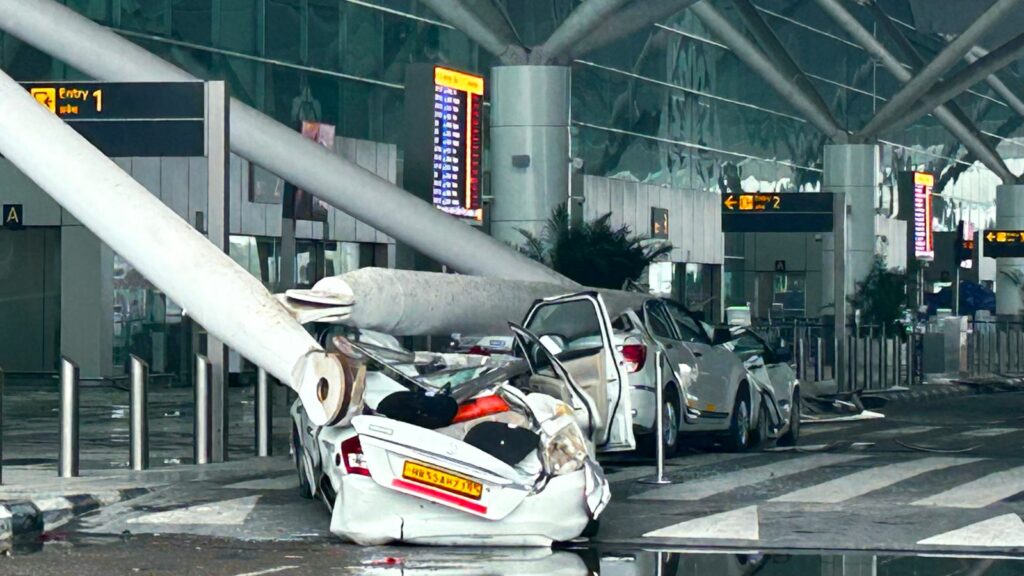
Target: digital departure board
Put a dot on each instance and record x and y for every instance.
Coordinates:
(130, 118)
(778, 212)
(924, 248)
(444, 139)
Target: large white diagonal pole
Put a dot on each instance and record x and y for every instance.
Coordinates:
(229, 302)
(81, 43)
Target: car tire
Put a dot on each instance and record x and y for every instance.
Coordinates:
(763, 427)
(739, 436)
(792, 436)
(305, 486)
(648, 443)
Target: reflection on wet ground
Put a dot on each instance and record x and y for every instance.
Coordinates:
(162, 554)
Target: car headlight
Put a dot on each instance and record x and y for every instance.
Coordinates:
(565, 449)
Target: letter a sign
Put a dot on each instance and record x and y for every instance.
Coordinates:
(13, 216)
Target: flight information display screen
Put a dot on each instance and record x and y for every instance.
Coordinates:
(443, 140)
(458, 141)
(924, 248)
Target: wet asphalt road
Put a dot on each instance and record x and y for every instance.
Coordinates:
(952, 443)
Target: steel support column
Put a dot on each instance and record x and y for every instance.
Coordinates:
(206, 282)
(581, 22)
(962, 81)
(633, 18)
(933, 71)
(103, 54)
(774, 49)
(1005, 92)
(746, 51)
(956, 126)
(461, 16)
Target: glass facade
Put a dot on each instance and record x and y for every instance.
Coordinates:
(669, 105)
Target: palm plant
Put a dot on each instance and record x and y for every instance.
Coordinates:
(592, 253)
(882, 296)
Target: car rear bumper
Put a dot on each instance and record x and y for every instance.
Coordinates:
(370, 514)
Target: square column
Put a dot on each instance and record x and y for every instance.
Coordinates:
(1010, 271)
(853, 169)
(529, 147)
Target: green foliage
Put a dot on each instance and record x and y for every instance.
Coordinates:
(882, 296)
(592, 253)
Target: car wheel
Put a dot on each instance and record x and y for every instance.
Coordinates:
(305, 486)
(792, 436)
(670, 416)
(763, 426)
(738, 438)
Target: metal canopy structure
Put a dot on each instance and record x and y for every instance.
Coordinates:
(953, 122)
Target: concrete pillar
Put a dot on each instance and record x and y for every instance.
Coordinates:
(86, 301)
(529, 147)
(854, 169)
(1010, 271)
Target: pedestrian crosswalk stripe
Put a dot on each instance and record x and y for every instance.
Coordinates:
(979, 493)
(1006, 531)
(741, 524)
(988, 432)
(865, 481)
(703, 488)
(690, 461)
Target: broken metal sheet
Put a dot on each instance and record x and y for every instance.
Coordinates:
(865, 415)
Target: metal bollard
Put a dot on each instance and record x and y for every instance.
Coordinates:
(264, 413)
(801, 360)
(819, 359)
(67, 466)
(139, 416)
(201, 425)
(659, 426)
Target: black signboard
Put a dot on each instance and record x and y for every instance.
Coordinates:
(783, 212)
(130, 118)
(659, 223)
(1004, 243)
(13, 216)
(444, 139)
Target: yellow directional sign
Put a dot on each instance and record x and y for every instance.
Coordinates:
(777, 212)
(1004, 243)
(47, 97)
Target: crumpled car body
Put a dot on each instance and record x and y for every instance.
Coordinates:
(463, 449)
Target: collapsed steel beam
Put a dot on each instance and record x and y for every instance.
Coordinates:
(634, 17)
(1010, 96)
(774, 49)
(581, 22)
(501, 41)
(943, 61)
(410, 303)
(229, 302)
(746, 51)
(101, 53)
(963, 80)
(945, 115)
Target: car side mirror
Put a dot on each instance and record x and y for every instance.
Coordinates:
(721, 336)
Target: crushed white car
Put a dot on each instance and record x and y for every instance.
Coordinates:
(463, 449)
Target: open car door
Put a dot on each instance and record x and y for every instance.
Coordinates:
(575, 332)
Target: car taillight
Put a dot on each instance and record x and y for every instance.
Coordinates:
(634, 355)
(479, 408)
(352, 457)
(480, 351)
